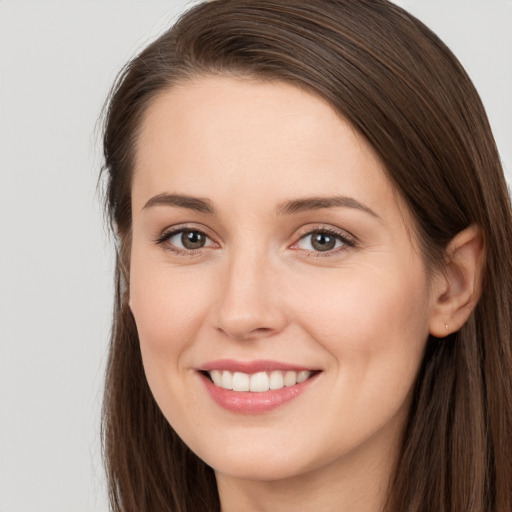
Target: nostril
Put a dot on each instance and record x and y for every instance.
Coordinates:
(241, 334)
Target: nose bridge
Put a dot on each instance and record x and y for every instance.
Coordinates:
(249, 305)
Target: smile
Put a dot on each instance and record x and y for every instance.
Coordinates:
(255, 387)
(258, 382)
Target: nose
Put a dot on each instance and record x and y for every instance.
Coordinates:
(250, 305)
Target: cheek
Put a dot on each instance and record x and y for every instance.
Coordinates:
(374, 329)
(168, 305)
(368, 319)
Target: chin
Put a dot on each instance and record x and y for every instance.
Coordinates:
(259, 470)
(270, 461)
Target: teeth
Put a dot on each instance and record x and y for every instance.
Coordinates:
(290, 379)
(276, 380)
(257, 382)
(227, 380)
(302, 376)
(216, 377)
(240, 381)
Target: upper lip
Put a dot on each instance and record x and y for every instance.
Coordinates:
(250, 367)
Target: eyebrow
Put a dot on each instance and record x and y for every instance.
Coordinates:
(287, 208)
(319, 203)
(181, 201)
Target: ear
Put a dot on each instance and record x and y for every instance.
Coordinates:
(457, 287)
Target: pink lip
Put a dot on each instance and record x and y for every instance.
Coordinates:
(247, 402)
(250, 366)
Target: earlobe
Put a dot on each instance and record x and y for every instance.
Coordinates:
(459, 284)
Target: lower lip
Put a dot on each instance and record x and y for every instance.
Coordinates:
(251, 402)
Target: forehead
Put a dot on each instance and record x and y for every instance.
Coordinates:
(240, 140)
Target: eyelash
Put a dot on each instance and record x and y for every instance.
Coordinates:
(347, 240)
(167, 235)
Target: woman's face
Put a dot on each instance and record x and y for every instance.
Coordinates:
(269, 247)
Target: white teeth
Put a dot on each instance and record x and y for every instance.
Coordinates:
(240, 381)
(290, 379)
(302, 376)
(257, 382)
(227, 380)
(276, 380)
(216, 377)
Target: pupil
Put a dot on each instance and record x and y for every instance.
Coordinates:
(323, 242)
(192, 240)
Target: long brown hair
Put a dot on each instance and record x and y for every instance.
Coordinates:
(406, 93)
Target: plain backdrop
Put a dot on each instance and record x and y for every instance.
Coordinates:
(57, 61)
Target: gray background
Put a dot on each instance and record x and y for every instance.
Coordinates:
(57, 61)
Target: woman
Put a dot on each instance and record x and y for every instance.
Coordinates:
(313, 277)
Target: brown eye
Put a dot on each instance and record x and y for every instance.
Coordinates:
(322, 241)
(183, 240)
(326, 241)
(193, 240)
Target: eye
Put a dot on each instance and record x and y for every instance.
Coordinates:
(322, 240)
(185, 240)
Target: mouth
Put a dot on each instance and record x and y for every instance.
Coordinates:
(258, 382)
(255, 387)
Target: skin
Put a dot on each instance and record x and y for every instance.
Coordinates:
(360, 313)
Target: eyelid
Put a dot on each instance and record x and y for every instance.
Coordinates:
(347, 238)
(171, 231)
